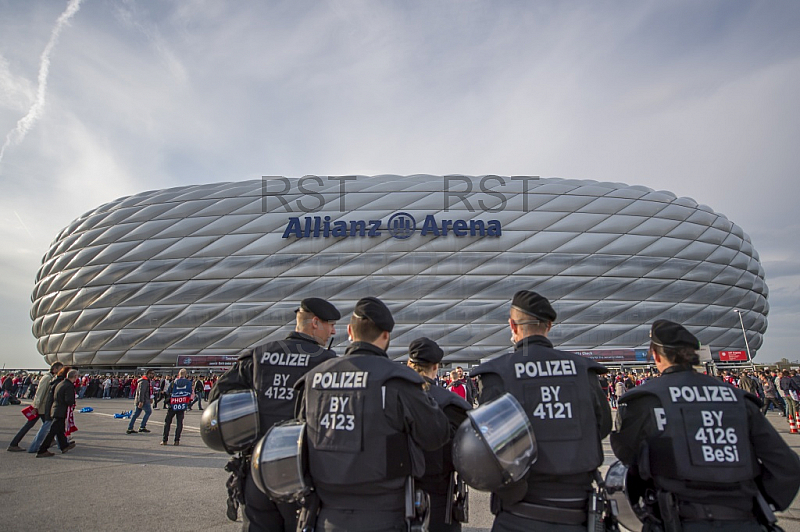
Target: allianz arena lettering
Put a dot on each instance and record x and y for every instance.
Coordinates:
(400, 225)
(206, 272)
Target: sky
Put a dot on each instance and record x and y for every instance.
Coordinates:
(105, 98)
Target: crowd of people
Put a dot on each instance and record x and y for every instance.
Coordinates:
(15, 386)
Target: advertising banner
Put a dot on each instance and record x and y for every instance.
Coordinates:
(210, 361)
(732, 356)
(620, 356)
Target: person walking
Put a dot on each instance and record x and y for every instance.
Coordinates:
(272, 370)
(700, 446)
(198, 393)
(180, 395)
(770, 395)
(38, 408)
(63, 398)
(367, 419)
(142, 400)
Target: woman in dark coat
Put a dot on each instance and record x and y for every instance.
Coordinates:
(63, 398)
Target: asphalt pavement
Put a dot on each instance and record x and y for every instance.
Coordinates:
(116, 481)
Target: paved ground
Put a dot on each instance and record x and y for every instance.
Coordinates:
(114, 481)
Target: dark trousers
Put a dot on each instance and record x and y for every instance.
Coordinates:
(24, 430)
(774, 401)
(506, 522)
(262, 513)
(438, 511)
(56, 431)
(334, 520)
(178, 415)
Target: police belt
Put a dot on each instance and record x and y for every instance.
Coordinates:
(692, 511)
(550, 514)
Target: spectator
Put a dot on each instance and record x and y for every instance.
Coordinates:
(7, 389)
(38, 408)
(142, 400)
(206, 387)
(107, 388)
(770, 396)
(457, 385)
(198, 393)
(63, 398)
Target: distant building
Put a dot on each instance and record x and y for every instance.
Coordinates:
(211, 270)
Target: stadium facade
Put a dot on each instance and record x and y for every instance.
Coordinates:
(201, 273)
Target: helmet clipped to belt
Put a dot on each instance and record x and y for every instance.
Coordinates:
(624, 505)
(279, 462)
(230, 424)
(495, 445)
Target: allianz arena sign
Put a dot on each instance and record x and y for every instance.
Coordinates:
(400, 225)
(213, 270)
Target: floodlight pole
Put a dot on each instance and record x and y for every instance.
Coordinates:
(746, 345)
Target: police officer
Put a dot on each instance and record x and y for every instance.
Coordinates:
(272, 370)
(570, 416)
(424, 356)
(368, 419)
(701, 445)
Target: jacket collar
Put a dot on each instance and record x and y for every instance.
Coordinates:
(676, 369)
(297, 335)
(536, 339)
(365, 348)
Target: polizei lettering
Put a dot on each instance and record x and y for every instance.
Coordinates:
(284, 359)
(545, 368)
(339, 380)
(701, 394)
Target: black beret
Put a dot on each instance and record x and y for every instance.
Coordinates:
(320, 308)
(425, 350)
(533, 304)
(670, 334)
(374, 310)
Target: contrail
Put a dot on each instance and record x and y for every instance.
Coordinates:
(25, 124)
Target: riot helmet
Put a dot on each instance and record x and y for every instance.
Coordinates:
(279, 462)
(230, 424)
(626, 506)
(495, 445)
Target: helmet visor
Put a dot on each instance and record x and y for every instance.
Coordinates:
(278, 462)
(507, 432)
(238, 419)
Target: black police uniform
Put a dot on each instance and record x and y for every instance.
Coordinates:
(439, 464)
(699, 445)
(368, 421)
(706, 443)
(570, 416)
(272, 370)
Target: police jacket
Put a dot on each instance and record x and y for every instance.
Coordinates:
(439, 463)
(705, 441)
(272, 370)
(368, 421)
(568, 410)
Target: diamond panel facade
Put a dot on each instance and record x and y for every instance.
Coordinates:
(206, 270)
